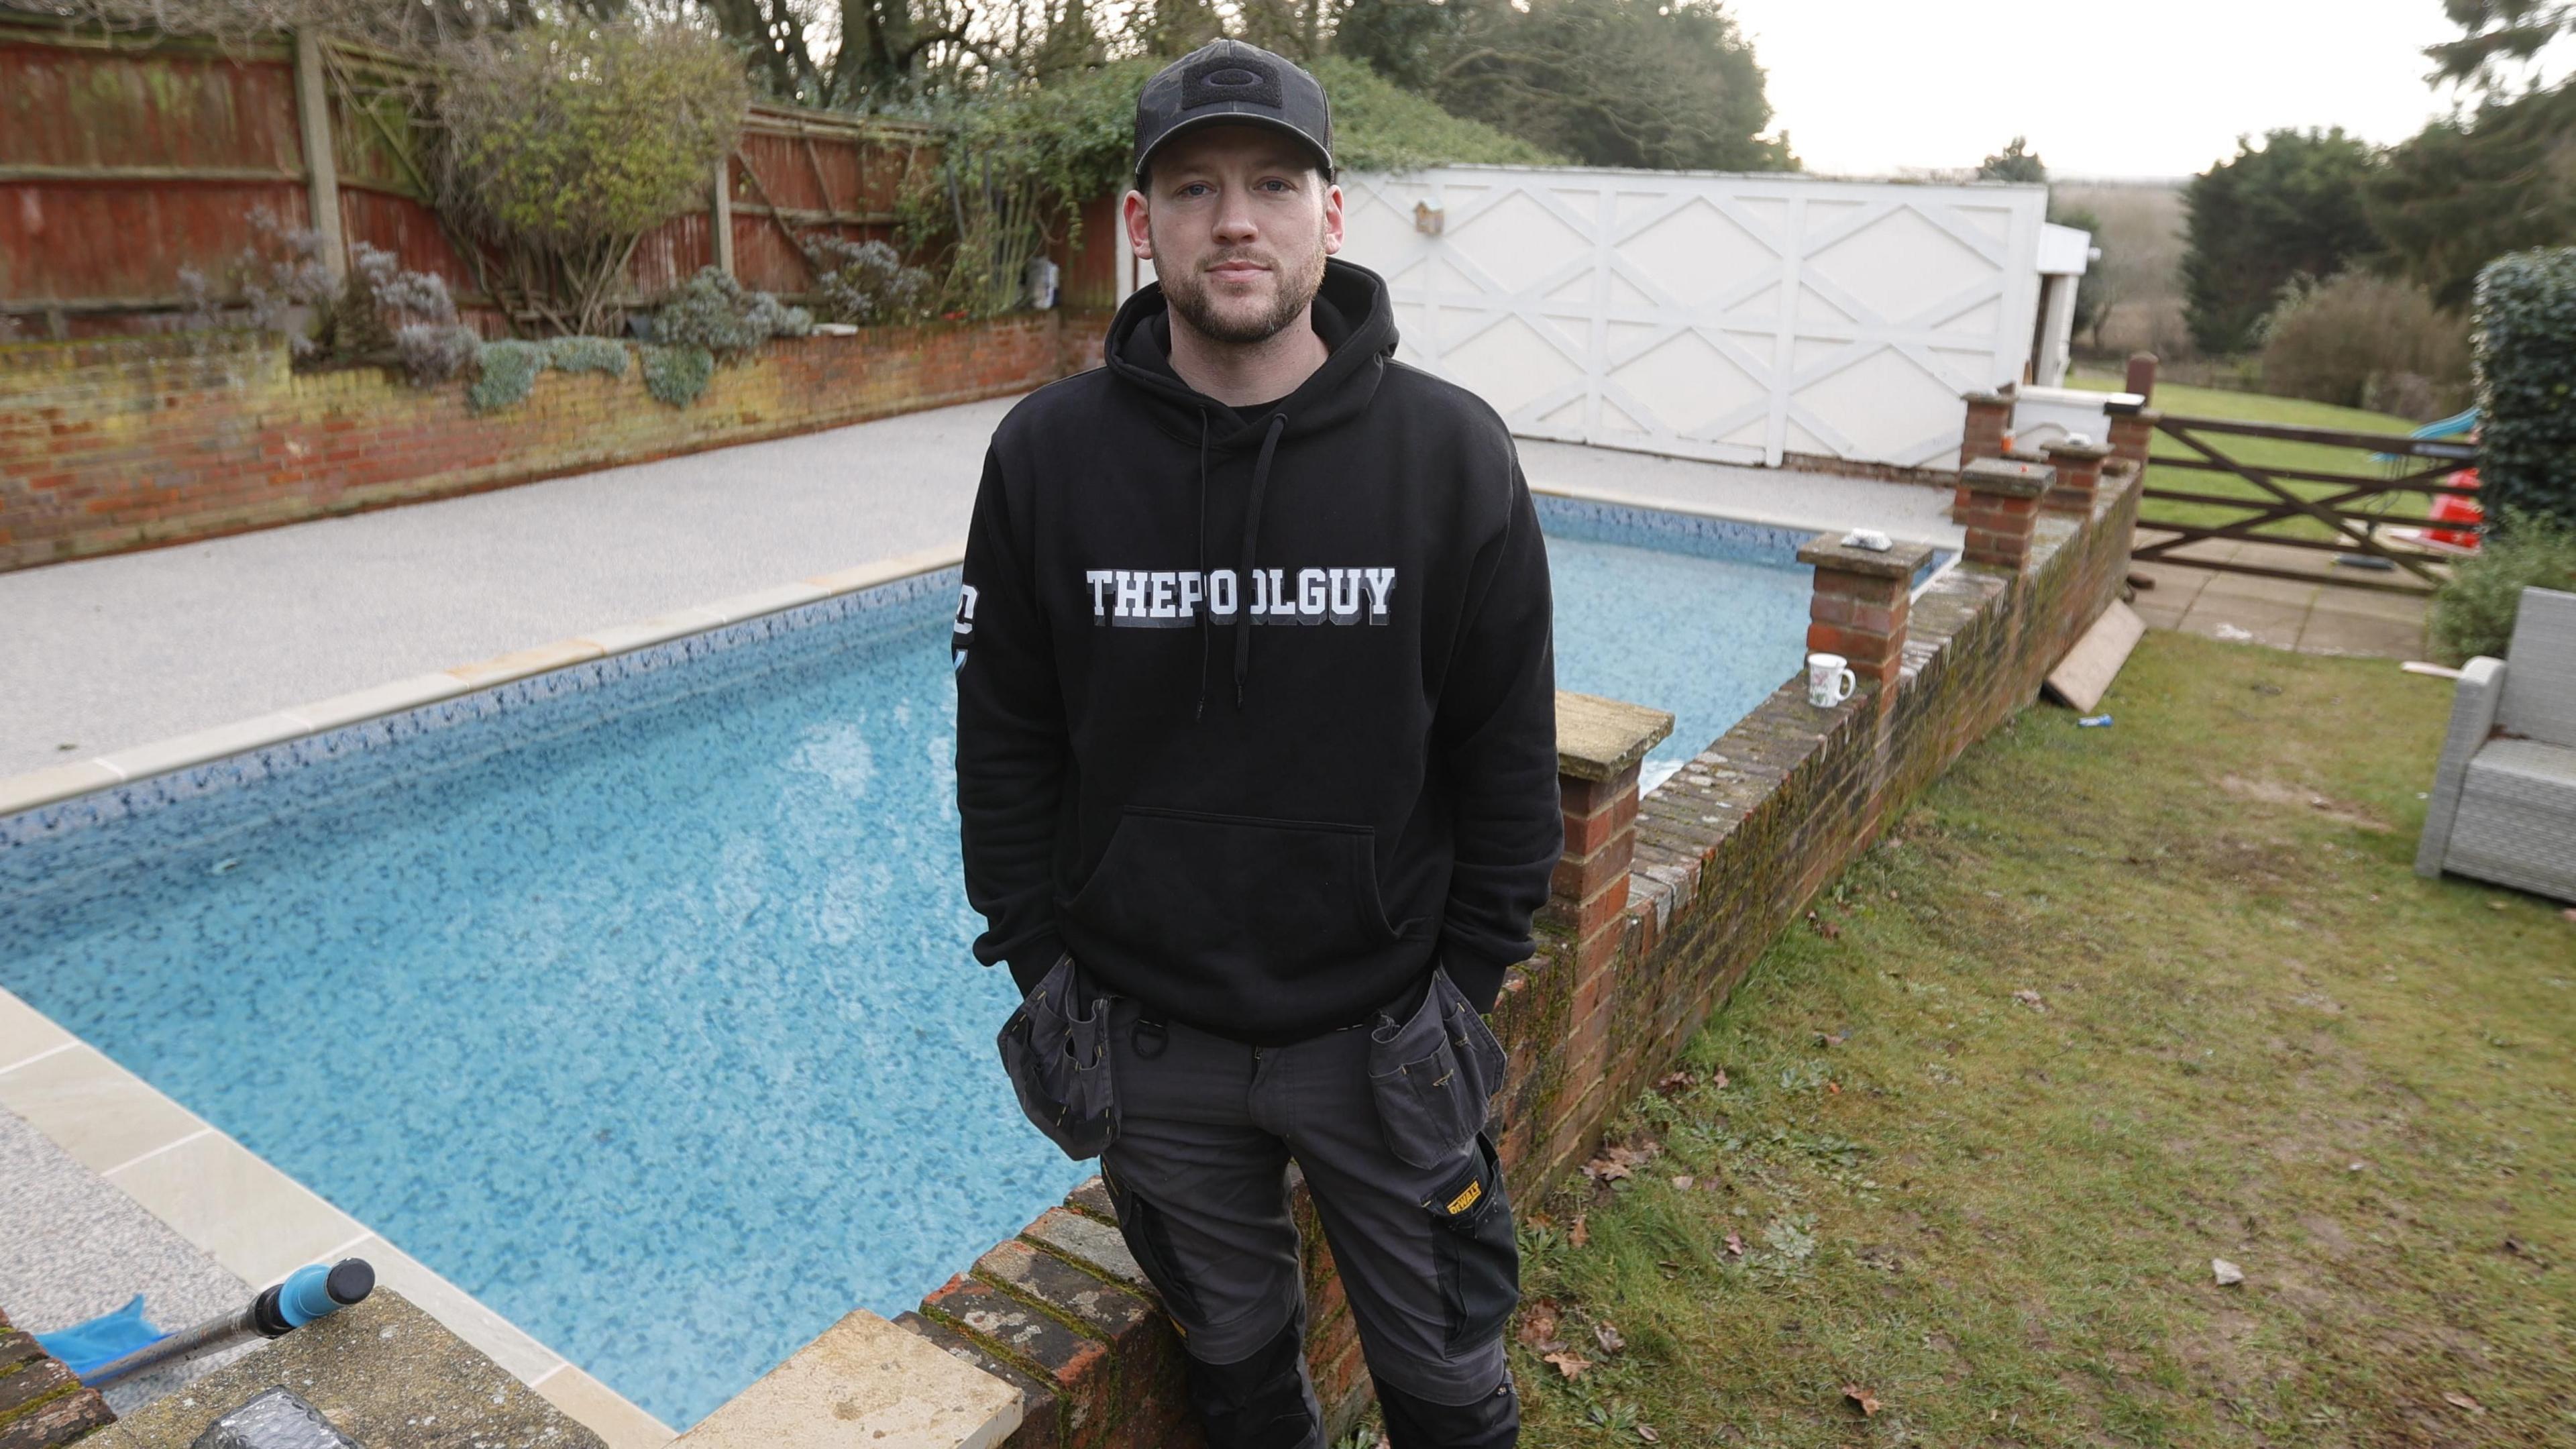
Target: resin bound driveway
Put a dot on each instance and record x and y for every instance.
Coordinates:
(105, 654)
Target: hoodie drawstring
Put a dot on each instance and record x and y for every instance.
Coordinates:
(1203, 568)
(1252, 532)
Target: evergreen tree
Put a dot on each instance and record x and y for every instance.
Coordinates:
(2289, 207)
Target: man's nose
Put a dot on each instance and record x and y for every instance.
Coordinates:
(1234, 217)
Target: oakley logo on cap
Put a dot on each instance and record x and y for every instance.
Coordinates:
(1229, 80)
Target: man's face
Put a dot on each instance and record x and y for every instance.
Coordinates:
(1237, 222)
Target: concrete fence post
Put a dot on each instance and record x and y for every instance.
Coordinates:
(1989, 418)
(720, 216)
(2002, 508)
(2079, 476)
(1861, 602)
(321, 165)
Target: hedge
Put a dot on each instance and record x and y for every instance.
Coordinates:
(2524, 342)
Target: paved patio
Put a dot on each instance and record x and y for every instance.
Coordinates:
(2321, 613)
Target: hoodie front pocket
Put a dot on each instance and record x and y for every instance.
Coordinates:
(1214, 892)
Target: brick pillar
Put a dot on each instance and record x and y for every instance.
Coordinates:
(1861, 602)
(1599, 743)
(2142, 376)
(2131, 430)
(2002, 506)
(1989, 418)
(2079, 475)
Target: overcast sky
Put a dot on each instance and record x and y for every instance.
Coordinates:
(1870, 86)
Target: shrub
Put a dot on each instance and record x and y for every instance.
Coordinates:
(866, 283)
(566, 144)
(283, 279)
(2473, 613)
(2526, 364)
(431, 353)
(509, 369)
(715, 312)
(2287, 206)
(2340, 340)
(677, 375)
(587, 354)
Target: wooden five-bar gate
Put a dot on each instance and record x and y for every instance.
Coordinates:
(2353, 508)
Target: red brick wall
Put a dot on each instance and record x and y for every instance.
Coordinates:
(108, 444)
(1063, 1312)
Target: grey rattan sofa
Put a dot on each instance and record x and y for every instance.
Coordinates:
(2504, 796)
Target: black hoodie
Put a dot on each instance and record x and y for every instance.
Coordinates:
(1263, 831)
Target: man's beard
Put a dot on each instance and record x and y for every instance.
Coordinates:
(1191, 301)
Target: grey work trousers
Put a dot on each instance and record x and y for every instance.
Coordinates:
(1387, 1121)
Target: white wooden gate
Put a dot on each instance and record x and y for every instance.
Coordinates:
(1728, 317)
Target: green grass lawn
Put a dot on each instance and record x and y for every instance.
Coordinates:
(2261, 452)
(2106, 1005)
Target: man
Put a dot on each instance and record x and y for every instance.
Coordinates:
(1256, 775)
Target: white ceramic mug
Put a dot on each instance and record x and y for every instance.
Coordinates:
(1829, 680)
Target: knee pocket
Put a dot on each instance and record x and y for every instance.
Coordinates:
(1473, 1251)
(1490, 1422)
(1260, 1402)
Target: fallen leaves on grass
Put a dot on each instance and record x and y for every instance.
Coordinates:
(1735, 1245)
(2225, 1272)
(1608, 1337)
(1648, 1434)
(1569, 1363)
(1823, 927)
(1580, 1233)
(2463, 1401)
(1615, 1163)
(2030, 998)
(1676, 1081)
(1861, 1399)
(1684, 1182)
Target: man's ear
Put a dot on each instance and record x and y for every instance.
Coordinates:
(1332, 219)
(1140, 233)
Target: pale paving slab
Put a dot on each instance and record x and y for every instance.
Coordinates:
(255, 1220)
(865, 1384)
(2319, 615)
(604, 1412)
(26, 1033)
(104, 1115)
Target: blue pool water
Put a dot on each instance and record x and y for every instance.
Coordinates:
(637, 1000)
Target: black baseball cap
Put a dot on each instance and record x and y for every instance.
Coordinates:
(1230, 83)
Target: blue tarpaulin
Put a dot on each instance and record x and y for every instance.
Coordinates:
(85, 1347)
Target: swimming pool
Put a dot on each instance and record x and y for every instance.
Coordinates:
(635, 998)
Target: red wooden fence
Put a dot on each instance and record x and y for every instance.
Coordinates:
(125, 158)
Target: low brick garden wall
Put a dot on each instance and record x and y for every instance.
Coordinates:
(1661, 906)
(119, 443)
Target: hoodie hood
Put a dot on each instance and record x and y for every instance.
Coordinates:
(1352, 315)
